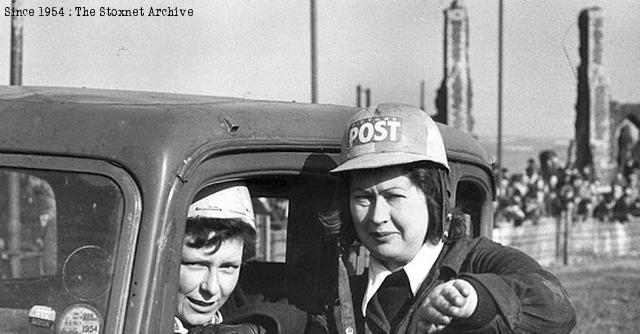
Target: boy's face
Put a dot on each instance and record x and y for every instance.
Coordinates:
(207, 279)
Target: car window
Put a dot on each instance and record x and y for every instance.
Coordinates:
(289, 189)
(472, 190)
(470, 198)
(272, 218)
(293, 258)
(58, 238)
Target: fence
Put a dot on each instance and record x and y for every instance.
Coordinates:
(549, 241)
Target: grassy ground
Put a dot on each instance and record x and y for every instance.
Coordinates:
(605, 292)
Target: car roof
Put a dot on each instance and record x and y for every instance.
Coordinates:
(142, 129)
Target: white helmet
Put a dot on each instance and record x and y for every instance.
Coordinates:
(390, 134)
(231, 201)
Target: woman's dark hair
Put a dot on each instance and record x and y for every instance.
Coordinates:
(198, 231)
(430, 178)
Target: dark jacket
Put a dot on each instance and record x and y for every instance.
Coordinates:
(515, 294)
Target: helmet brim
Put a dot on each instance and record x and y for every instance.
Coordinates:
(383, 159)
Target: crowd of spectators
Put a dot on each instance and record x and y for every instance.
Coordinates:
(549, 189)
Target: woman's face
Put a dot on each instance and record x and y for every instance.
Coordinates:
(207, 279)
(390, 214)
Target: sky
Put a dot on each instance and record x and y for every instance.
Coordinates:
(261, 50)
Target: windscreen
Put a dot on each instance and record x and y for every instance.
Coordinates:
(58, 236)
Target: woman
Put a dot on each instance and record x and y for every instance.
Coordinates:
(219, 236)
(425, 275)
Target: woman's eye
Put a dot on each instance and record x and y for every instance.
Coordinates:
(193, 265)
(362, 199)
(229, 269)
(394, 196)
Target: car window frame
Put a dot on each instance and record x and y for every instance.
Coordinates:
(222, 168)
(130, 224)
(462, 171)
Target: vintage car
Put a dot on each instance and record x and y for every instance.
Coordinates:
(95, 186)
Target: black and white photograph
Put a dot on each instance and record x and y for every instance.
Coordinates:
(319, 166)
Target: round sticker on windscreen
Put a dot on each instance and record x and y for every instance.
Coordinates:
(80, 319)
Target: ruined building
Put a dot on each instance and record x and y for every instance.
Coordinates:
(454, 97)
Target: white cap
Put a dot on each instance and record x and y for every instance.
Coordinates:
(232, 201)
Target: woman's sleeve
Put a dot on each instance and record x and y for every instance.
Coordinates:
(526, 297)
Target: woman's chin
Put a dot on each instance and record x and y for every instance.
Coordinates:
(197, 319)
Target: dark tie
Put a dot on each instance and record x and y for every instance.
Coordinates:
(394, 293)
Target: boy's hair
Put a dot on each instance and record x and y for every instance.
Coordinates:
(198, 234)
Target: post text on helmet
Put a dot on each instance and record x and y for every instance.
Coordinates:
(374, 129)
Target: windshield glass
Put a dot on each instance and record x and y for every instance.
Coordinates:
(58, 234)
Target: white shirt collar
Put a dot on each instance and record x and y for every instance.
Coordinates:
(178, 327)
(417, 270)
